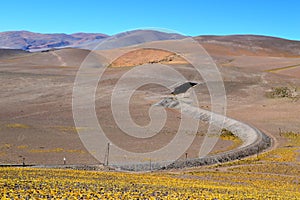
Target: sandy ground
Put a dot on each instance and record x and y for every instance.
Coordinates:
(36, 121)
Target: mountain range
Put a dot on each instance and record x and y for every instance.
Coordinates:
(230, 45)
(30, 41)
(26, 40)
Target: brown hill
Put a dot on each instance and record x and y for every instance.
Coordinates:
(250, 45)
(7, 53)
(146, 56)
(61, 57)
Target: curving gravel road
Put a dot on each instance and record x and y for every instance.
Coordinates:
(254, 141)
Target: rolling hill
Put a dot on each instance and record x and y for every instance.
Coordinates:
(30, 41)
(251, 45)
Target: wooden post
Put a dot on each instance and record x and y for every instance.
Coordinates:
(280, 132)
(107, 155)
(186, 156)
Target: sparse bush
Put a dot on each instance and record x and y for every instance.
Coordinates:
(227, 134)
(293, 137)
(283, 92)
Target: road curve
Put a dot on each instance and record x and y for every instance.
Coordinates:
(254, 141)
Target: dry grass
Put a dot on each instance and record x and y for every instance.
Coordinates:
(22, 147)
(56, 150)
(16, 183)
(227, 135)
(282, 68)
(16, 125)
(68, 128)
(293, 138)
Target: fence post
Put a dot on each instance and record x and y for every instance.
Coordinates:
(107, 155)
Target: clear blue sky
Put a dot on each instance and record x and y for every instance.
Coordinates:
(190, 17)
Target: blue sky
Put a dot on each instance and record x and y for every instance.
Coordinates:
(190, 17)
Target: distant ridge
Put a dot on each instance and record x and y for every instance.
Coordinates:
(130, 38)
(30, 41)
(26, 40)
(250, 45)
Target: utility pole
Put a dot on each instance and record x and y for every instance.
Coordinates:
(107, 154)
(257, 152)
(280, 132)
(186, 156)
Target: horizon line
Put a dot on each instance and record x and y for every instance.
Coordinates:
(200, 35)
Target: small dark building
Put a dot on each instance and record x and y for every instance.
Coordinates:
(183, 88)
